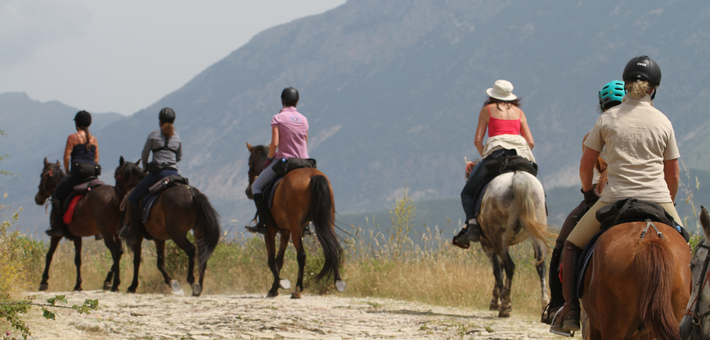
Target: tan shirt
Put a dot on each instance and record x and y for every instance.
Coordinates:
(638, 138)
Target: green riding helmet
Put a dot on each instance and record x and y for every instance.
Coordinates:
(610, 95)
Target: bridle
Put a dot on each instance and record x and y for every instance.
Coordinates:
(46, 176)
(704, 279)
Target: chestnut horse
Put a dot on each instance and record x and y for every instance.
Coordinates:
(637, 287)
(513, 210)
(696, 323)
(175, 212)
(304, 195)
(95, 214)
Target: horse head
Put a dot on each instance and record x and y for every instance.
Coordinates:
(258, 156)
(127, 176)
(51, 175)
(696, 320)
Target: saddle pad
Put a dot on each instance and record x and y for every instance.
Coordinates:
(69, 214)
(146, 205)
(270, 190)
(584, 262)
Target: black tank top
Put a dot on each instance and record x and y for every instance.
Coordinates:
(80, 154)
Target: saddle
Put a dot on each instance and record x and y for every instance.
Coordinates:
(281, 168)
(79, 191)
(625, 211)
(146, 204)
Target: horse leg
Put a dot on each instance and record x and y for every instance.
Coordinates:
(283, 244)
(506, 303)
(160, 253)
(189, 250)
(136, 247)
(541, 271)
(54, 242)
(77, 262)
(497, 274)
(113, 274)
(270, 240)
(297, 240)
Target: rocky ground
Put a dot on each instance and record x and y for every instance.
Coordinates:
(150, 316)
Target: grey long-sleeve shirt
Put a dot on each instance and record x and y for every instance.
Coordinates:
(156, 140)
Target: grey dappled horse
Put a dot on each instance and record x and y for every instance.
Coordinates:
(696, 323)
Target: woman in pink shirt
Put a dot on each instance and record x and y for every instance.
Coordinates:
(289, 139)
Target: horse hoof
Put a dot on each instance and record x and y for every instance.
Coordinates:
(77, 289)
(107, 285)
(43, 287)
(295, 295)
(196, 289)
(131, 290)
(272, 294)
(340, 285)
(175, 287)
(504, 314)
(494, 306)
(285, 284)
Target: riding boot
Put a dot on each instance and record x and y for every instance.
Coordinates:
(131, 229)
(470, 233)
(56, 224)
(567, 319)
(557, 299)
(263, 211)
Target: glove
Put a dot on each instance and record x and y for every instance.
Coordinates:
(590, 197)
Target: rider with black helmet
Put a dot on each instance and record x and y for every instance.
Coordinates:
(166, 146)
(82, 152)
(289, 139)
(642, 157)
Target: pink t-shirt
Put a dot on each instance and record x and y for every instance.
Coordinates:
(293, 132)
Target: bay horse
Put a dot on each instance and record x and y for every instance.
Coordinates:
(513, 210)
(175, 212)
(304, 195)
(94, 214)
(637, 287)
(696, 323)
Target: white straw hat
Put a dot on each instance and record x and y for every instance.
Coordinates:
(502, 90)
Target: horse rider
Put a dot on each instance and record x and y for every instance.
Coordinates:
(642, 157)
(289, 139)
(166, 146)
(508, 132)
(82, 152)
(610, 95)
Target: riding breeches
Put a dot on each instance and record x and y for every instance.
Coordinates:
(141, 190)
(266, 176)
(588, 226)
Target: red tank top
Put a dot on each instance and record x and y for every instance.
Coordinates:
(502, 126)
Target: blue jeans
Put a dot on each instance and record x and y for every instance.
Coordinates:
(264, 178)
(141, 190)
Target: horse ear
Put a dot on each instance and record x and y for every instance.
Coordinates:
(138, 163)
(250, 147)
(58, 163)
(705, 221)
(121, 161)
(45, 162)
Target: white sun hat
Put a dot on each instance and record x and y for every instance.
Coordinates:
(502, 90)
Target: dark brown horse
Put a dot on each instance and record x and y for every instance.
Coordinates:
(175, 212)
(95, 214)
(637, 288)
(304, 195)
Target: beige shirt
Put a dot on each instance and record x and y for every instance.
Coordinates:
(638, 138)
(511, 142)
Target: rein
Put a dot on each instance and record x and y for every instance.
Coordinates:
(704, 278)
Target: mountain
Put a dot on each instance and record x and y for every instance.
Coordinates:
(392, 91)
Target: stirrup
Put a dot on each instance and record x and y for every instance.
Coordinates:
(548, 314)
(560, 332)
(257, 228)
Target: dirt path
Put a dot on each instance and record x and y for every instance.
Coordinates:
(150, 316)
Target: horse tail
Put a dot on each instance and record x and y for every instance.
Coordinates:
(322, 213)
(208, 222)
(655, 264)
(524, 203)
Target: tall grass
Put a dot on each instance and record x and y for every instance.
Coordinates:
(381, 262)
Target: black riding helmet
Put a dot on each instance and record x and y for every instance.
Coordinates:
(642, 68)
(167, 115)
(82, 118)
(289, 94)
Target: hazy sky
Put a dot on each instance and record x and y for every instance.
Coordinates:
(122, 56)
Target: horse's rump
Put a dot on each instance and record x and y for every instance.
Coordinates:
(642, 284)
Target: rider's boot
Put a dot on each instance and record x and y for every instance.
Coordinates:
(132, 228)
(557, 300)
(470, 233)
(263, 211)
(567, 319)
(56, 224)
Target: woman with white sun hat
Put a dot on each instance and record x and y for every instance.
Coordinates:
(508, 133)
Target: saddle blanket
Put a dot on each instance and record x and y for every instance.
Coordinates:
(270, 190)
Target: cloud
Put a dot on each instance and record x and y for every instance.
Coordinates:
(27, 25)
